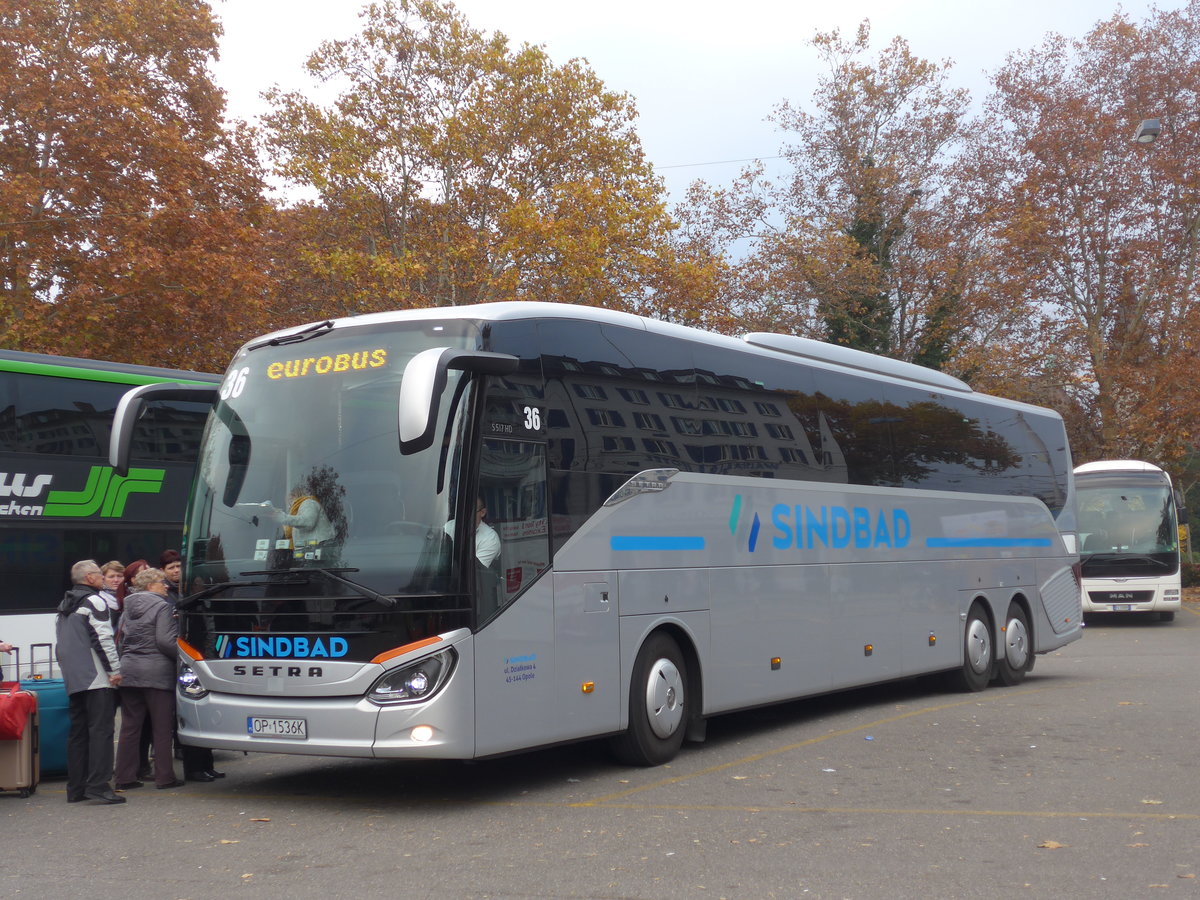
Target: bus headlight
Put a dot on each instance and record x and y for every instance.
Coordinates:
(189, 684)
(416, 681)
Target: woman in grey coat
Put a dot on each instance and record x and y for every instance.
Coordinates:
(148, 653)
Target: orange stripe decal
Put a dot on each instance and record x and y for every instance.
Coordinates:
(407, 648)
(189, 650)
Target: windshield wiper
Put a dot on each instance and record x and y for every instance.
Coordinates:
(333, 575)
(192, 599)
(295, 337)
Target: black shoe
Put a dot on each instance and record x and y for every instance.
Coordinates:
(105, 797)
(174, 784)
(129, 785)
(201, 776)
(78, 799)
(214, 773)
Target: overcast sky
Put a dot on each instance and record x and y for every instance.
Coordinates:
(704, 75)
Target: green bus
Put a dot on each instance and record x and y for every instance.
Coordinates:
(60, 501)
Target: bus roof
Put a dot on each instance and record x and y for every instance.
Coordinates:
(770, 345)
(95, 370)
(1117, 465)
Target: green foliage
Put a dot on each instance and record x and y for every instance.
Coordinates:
(1190, 574)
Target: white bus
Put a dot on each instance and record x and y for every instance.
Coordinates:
(689, 524)
(1129, 517)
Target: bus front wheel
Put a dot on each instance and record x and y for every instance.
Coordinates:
(976, 669)
(1013, 663)
(657, 705)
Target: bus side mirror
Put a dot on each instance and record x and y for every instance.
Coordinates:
(425, 381)
(129, 410)
(1180, 510)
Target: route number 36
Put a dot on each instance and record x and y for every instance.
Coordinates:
(235, 383)
(533, 418)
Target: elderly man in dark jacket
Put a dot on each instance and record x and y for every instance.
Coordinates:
(87, 657)
(148, 647)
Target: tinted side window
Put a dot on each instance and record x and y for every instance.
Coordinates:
(856, 428)
(73, 417)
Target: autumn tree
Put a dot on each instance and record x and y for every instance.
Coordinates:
(1098, 236)
(453, 168)
(855, 245)
(130, 217)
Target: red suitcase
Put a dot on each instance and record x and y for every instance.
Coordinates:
(19, 765)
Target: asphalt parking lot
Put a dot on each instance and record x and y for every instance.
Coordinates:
(1078, 783)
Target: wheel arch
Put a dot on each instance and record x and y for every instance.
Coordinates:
(688, 635)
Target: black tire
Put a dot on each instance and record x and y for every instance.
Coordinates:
(657, 705)
(1168, 616)
(1017, 652)
(978, 655)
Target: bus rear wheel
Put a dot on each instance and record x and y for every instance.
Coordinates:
(657, 705)
(1014, 662)
(976, 669)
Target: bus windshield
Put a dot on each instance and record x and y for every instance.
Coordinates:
(1126, 522)
(302, 490)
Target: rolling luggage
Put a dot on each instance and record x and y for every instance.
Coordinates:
(54, 713)
(19, 769)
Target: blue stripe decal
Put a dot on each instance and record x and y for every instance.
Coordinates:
(656, 542)
(987, 542)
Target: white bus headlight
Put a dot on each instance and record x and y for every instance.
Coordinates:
(189, 684)
(416, 681)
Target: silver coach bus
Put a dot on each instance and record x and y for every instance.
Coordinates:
(463, 532)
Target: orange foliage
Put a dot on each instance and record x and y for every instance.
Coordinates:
(1099, 237)
(129, 217)
(454, 169)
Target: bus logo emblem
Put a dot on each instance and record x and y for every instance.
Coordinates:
(14, 485)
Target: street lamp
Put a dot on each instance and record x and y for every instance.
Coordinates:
(1148, 131)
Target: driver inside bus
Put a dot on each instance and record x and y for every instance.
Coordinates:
(487, 542)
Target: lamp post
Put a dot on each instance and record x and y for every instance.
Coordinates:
(1148, 131)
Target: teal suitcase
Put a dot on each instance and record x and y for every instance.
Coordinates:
(53, 711)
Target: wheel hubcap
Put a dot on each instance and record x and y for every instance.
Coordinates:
(1016, 643)
(979, 646)
(664, 698)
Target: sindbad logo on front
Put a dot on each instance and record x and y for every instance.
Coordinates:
(280, 647)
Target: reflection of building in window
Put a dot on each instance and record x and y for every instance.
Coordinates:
(605, 418)
(590, 391)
